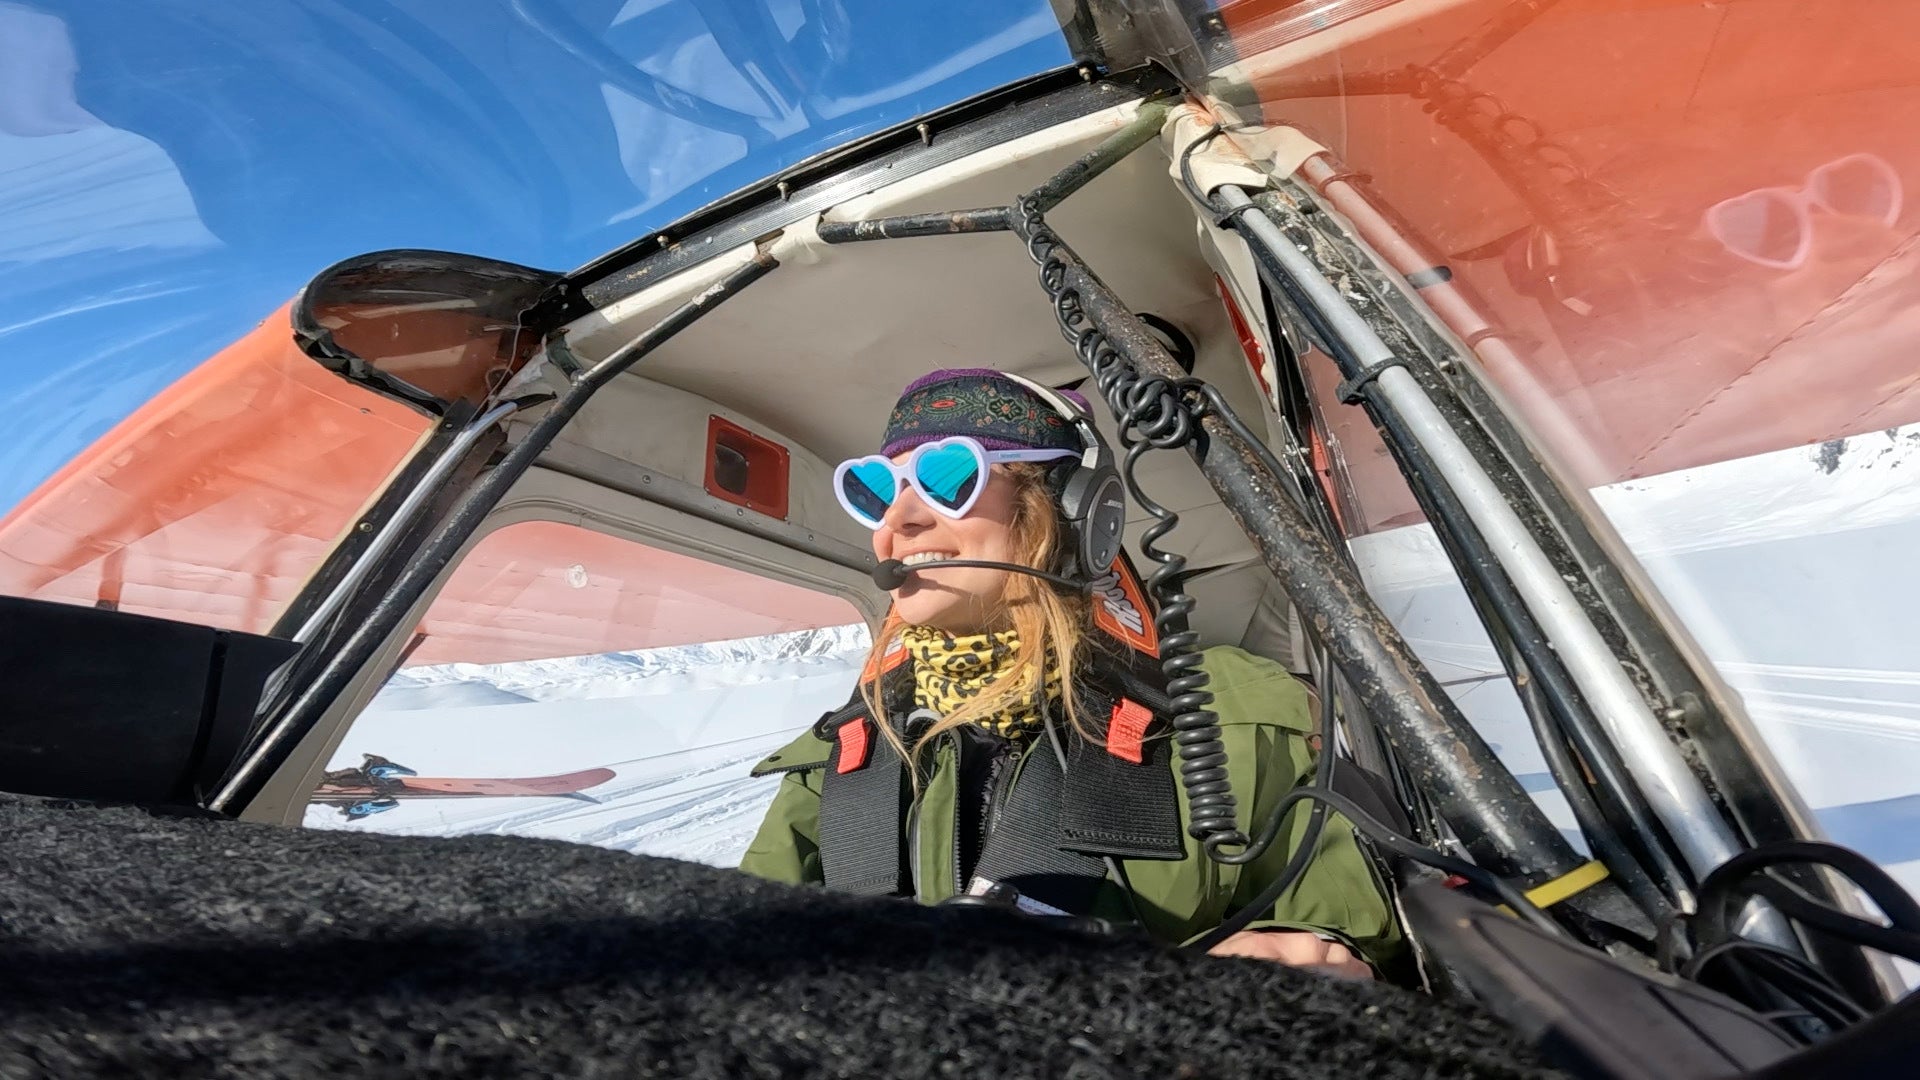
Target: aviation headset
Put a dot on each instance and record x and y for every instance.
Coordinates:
(1091, 498)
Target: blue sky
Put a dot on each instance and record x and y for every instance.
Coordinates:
(172, 170)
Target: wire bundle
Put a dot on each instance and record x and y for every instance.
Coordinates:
(1783, 987)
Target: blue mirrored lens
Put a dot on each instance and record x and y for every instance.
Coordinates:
(869, 487)
(948, 474)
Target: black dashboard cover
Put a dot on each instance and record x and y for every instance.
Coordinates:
(133, 944)
(1590, 1014)
(107, 705)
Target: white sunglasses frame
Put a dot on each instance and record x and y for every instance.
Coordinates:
(1802, 199)
(905, 472)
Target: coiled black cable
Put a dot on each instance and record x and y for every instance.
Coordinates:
(1719, 892)
(1152, 415)
(1763, 976)
(1309, 840)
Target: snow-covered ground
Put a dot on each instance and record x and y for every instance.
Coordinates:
(1796, 573)
(679, 727)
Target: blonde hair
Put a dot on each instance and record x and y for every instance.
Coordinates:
(1052, 626)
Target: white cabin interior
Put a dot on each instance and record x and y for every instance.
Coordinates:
(814, 354)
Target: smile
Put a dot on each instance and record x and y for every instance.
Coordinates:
(919, 557)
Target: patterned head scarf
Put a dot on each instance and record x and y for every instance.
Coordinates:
(982, 403)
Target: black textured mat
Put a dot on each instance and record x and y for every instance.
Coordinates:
(135, 945)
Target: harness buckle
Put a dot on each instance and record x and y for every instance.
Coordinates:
(1127, 730)
(853, 739)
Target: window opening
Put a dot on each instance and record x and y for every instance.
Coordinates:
(573, 685)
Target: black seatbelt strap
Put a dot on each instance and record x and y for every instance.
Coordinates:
(1023, 852)
(1114, 807)
(1055, 831)
(864, 798)
(1114, 804)
(1117, 799)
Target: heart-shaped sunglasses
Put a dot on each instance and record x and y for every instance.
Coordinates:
(1773, 226)
(945, 474)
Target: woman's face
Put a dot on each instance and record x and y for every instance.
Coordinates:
(957, 599)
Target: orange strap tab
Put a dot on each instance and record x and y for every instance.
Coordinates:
(1127, 730)
(853, 744)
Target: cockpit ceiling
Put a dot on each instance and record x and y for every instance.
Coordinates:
(818, 350)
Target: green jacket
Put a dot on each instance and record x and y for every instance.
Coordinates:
(1265, 719)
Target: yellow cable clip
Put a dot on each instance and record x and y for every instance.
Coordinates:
(1571, 883)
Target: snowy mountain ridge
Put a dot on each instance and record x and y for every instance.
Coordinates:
(742, 661)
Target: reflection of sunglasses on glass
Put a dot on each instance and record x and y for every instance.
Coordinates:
(1773, 226)
(946, 475)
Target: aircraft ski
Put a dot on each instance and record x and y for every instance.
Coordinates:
(379, 785)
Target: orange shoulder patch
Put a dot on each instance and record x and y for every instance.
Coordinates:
(1120, 608)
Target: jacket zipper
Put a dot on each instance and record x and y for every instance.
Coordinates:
(913, 850)
(959, 752)
(914, 834)
(912, 824)
(1003, 772)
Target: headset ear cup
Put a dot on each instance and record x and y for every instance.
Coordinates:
(1091, 498)
(1103, 530)
(1094, 504)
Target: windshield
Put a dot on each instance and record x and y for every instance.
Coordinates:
(171, 173)
(1686, 229)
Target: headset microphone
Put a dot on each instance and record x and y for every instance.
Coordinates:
(892, 573)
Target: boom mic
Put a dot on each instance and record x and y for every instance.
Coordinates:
(892, 573)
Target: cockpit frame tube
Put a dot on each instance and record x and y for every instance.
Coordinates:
(280, 733)
(942, 223)
(401, 518)
(1680, 684)
(1678, 798)
(1134, 134)
(1561, 716)
(1487, 808)
(1138, 132)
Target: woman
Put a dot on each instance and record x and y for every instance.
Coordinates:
(1057, 801)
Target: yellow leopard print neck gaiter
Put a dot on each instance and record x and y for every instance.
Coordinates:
(951, 669)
